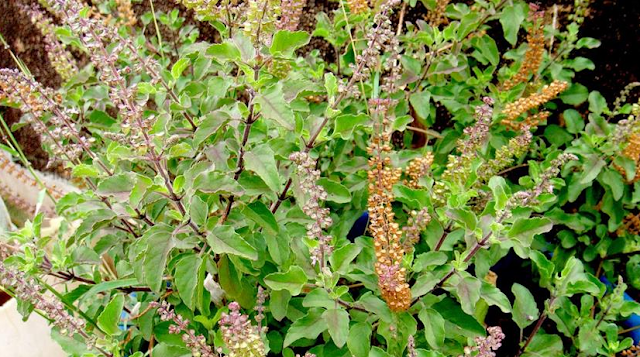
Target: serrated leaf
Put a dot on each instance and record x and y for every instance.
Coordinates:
(493, 296)
(359, 339)
(592, 169)
(597, 103)
(347, 123)
(198, 210)
(309, 326)
(420, 102)
(260, 213)
(274, 107)
(511, 19)
(110, 316)
(187, 277)
(434, 330)
(224, 52)
(260, 159)
(336, 192)
(468, 292)
(278, 303)
(524, 229)
(286, 42)
(525, 310)
(225, 240)
(575, 95)
(159, 244)
(210, 125)
(84, 170)
(338, 325)
(179, 67)
(342, 257)
(292, 280)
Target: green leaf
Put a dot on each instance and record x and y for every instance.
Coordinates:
(499, 189)
(274, 107)
(293, 280)
(338, 324)
(187, 278)
(278, 303)
(420, 103)
(511, 19)
(434, 330)
(592, 168)
(224, 239)
(597, 103)
(359, 339)
(261, 160)
(575, 95)
(260, 213)
(159, 244)
(309, 326)
(224, 52)
(493, 296)
(198, 210)
(544, 346)
(84, 170)
(573, 121)
(347, 123)
(612, 179)
(286, 42)
(545, 268)
(117, 185)
(524, 229)
(468, 292)
(331, 85)
(166, 350)
(335, 191)
(588, 42)
(210, 125)
(110, 316)
(179, 67)
(525, 310)
(342, 257)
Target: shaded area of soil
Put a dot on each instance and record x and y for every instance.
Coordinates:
(616, 23)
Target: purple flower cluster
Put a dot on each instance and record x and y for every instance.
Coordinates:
(65, 138)
(485, 346)
(28, 289)
(240, 336)
(320, 216)
(196, 343)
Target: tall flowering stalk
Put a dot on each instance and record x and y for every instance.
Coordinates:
(61, 60)
(386, 233)
(65, 138)
(306, 168)
(196, 343)
(523, 105)
(459, 167)
(241, 337)
(505, 156)
(29, 290)
(418, 168)
(535, 50)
